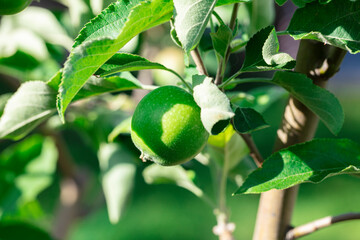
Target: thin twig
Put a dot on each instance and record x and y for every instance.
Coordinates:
(254, 151)
(311, 227)
(198, 61)
(220, 72)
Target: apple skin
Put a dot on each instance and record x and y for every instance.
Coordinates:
(9, 7)
(166, 127)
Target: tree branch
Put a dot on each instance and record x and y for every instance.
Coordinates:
(254, 151)
(319, 62)
(311, 227)
(195, 54)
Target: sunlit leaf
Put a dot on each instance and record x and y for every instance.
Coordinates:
(215, 106)
(190, 20)
(33, 103)
(317, 99)
(103, 37)
(308, 162)
(336, 23)
(262, 53)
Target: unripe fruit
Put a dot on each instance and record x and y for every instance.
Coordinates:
(166, 126)
(8, 7)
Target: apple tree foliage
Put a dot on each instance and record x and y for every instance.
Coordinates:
(52, 94)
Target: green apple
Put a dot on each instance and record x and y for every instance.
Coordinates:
(8, 7)
(166, 127)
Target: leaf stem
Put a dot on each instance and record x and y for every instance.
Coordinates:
(313, 226)
(246, 80)
(195, 54)
(254, 151)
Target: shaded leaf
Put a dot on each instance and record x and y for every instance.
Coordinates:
(123, 127)
(228, 147)
(225, 2)
(156, 174)
(336, 23)
(18, 230)
(121, 62)
(215, 106)
(103, 37)
(95, 86)
(118, 172)
(221, 39)
(190, 20)
(262, 53)
(307, 162)
(26, 169)
(317, 99)
(247, 120)
(33, 103)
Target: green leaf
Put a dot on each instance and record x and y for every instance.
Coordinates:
(26, 169)
(307, 162)
(336, 23)
(95, 86)
(262, 53)
(190, 20)
(121, 62)
(156, 174)
(18, 230)
(221, 39)
(123, 127)
(318, 100)
(247, 120)
(215, 106)
(103, 37)
(33, 103)
(227, 146)
(281, 2)
(118, 172)
(260, 99)
(225, 2)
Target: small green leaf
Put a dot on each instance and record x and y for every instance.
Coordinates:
(262, 53)
(225, 2)
(190, 20)
(156, 174)
(123, 127)
(307, 162)
(118, 172)
(247, 120)
(215, 106)
(103, 37)
(33, 103)
(336, 23)
(281, 2)
(317, 99)
(221, 39)
(227, 146)
(121, 62)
